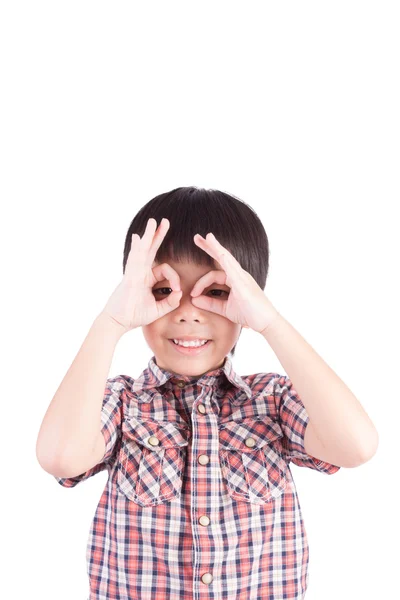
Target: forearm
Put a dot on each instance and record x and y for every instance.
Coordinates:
(336, 414)
(72, 422)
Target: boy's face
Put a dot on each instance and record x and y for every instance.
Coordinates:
(189, 320)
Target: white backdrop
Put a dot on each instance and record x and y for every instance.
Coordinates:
(292, 107)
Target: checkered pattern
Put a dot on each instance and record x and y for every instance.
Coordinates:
(200, 502)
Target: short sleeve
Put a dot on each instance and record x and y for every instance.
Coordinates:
(111, 419)
(293, 419)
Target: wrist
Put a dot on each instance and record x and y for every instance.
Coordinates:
(272, 322)
(110, 323)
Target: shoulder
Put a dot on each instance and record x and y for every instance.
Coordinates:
(264, 382)
(117, 388)
(120, 382)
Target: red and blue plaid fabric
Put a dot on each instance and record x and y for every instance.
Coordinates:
(200, 502)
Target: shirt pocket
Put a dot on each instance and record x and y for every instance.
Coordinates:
(151, 460)
(252, 463)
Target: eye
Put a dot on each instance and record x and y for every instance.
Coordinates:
(163, 288)
(223, 291)
(168, 288)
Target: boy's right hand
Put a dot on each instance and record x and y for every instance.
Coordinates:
(132, 304)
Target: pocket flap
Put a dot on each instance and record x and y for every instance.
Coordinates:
(249, 434)
(156, 434)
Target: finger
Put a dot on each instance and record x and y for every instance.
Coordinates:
(212, 246)
(151, 230)
(158, 238)
(147, 237)
(135, 241)
(168, 304)
(207, 279)
(165, 271)
(151, 227)
(211, 304)
(203, 243)
(144, 243)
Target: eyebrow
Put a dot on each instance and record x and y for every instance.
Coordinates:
(213, 283)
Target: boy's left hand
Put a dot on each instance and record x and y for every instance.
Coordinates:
(246, 304)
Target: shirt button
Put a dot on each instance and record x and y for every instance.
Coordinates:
(203, 459)
(207, 578)
(181, 384)
(204, 520)
(250, 442)
(153, 440)
(201, 408)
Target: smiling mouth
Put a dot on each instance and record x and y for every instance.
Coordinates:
(190, 349)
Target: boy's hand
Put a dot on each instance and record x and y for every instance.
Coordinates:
(132, 304)
(246, 304)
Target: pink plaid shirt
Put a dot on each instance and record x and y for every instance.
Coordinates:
(200, 502)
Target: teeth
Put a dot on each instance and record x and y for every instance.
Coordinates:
(194, 344)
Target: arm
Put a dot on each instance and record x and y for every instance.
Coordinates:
(339, 430)
(70, 434)
(83, 465)
(338, 420)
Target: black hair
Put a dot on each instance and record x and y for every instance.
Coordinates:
(192, 210)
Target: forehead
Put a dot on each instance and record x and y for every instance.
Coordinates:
(190, 270)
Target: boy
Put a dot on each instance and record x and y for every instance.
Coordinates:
(200, 501)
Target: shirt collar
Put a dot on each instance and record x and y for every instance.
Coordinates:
(154, 376)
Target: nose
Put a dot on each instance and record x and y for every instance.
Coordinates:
(186, 309)
(186, 299)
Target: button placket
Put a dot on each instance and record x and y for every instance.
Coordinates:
(203, 459)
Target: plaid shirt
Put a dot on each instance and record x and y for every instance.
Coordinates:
(200, 502)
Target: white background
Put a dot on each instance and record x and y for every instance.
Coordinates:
(292, 107)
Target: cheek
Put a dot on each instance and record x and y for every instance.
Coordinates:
(228, 330)
(236, 329)
(155, 333)
(149, 333)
